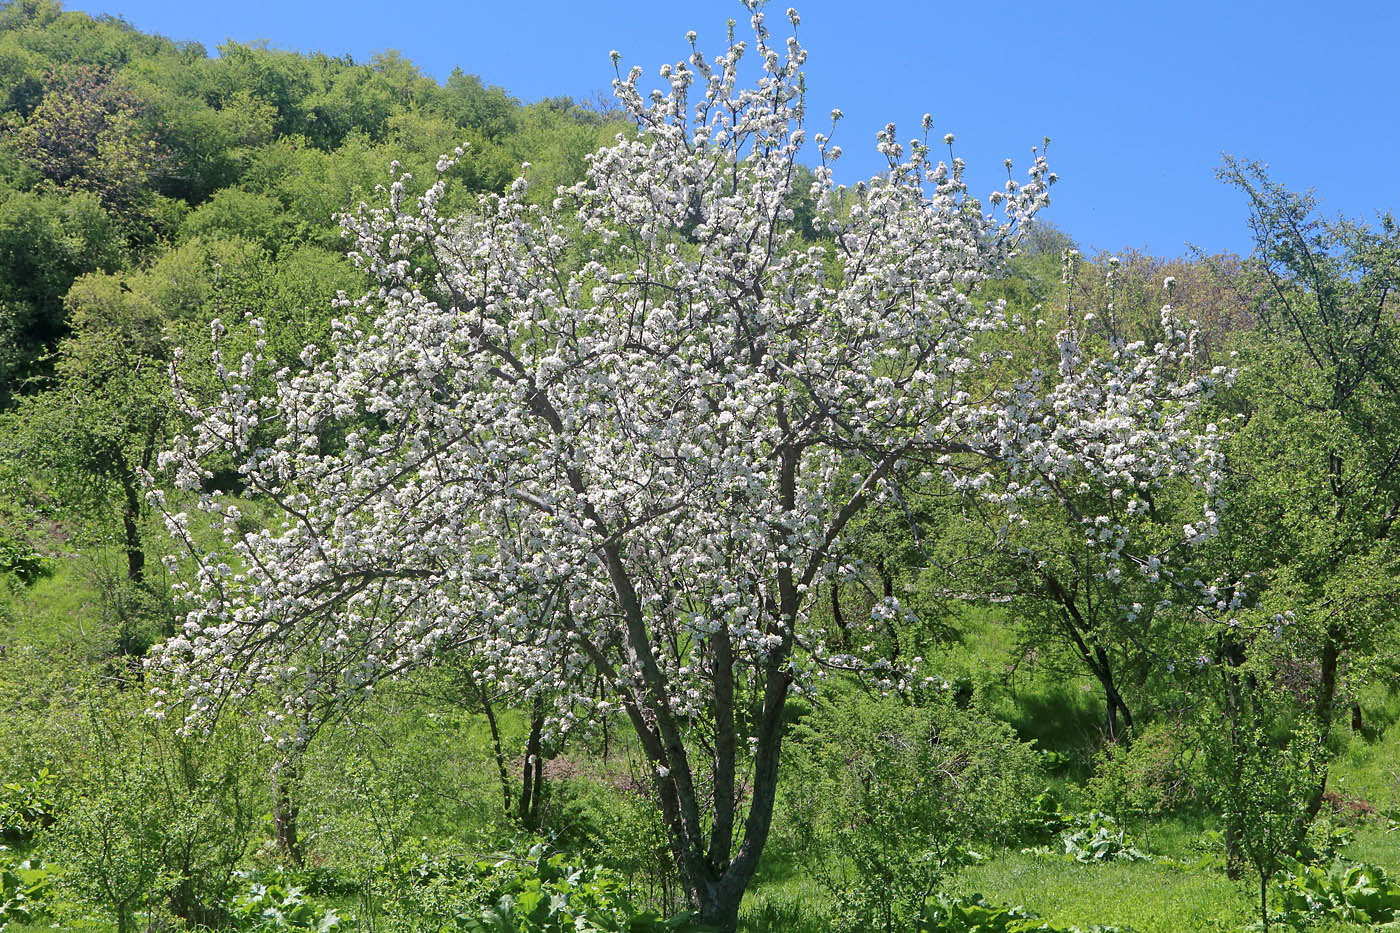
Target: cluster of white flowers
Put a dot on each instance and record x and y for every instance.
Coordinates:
(626, 434)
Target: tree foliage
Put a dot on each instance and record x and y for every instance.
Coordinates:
(628, 431)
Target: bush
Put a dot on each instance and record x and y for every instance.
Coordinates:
(1352, 892)
(23, 890)
(1155, 775)
(887, 796)
(536, 892)
(267, 908)
(1097, 837)
(18, 558)
(619, 824)
(27, 806)
(155, 821)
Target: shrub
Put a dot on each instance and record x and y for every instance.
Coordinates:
(1097, 837)
(1156, 774)
(23, 890)
(1352, 892)
(154, 821)
(18, 557)
(27, 806)
(887, 796)
(537, 892)
(266, 908)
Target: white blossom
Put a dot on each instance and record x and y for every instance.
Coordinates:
(576, 438)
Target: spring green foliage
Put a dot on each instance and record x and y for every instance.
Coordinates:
(972, 914)
(535, 891)
(27, 807)
(18, 557)
(24, 888)
(148, 188)
(268, 908)
(1344, 890)
(889, 796)
(1097, 837)
(118, 144)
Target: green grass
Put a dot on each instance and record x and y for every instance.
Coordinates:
(1150, 897)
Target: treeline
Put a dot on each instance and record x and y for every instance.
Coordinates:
(121, 151)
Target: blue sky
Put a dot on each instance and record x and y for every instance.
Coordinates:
(1139, 99)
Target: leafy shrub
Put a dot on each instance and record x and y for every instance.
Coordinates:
(624, 832)
(1047, 817)
(1324, 842)
(24, 887)
(18, 557)
(887, 795)
(1094, 837)
(155, 821)
(1353, 892)
(266, 908)
(27, 806)
(538, 892)
(1097, 837)
(1158, 773)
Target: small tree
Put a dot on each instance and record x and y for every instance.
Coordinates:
(156, 821)
(1263, 777)
(107, 414)
(630, 431)
(889, 795)
(1315, 485)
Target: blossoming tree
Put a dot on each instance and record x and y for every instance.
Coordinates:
(626, 435)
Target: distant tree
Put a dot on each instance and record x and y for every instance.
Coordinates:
(16, 14)
(86, 134)
(472, 105)
(46, 241)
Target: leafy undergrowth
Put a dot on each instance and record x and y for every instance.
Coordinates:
(974, 914)
(1346, 891)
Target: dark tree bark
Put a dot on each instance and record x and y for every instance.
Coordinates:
(532, 777)
(1096, 658)
(131, 529)
(496, 746)
(285, 810)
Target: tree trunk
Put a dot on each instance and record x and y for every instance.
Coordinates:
(838, 617)
(532, 777)
(285, 810)
(1095, 658)
(131, 530)
(1324, 712)
(495, 743)
(1113, 699)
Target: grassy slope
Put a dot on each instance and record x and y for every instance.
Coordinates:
(1063, 715)
(57, 618)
